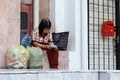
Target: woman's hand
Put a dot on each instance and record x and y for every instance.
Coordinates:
(34, 44)
(48, 47)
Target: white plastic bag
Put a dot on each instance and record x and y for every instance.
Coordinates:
(36, 57)
(17, 57)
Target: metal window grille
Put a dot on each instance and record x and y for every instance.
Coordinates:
(102, 55)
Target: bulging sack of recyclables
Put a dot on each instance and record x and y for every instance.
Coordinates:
(36, 57)
(17, 57)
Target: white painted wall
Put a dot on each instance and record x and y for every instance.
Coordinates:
(69, 25)
(84, 34)
(75, 56)
(68, 18)
(36, 13)
(52, 14)
(59, 15)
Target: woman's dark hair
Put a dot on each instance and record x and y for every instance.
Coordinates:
(45, 23)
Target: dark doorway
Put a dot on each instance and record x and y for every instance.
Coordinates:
(117, 4)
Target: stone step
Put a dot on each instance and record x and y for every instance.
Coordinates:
(40, 74)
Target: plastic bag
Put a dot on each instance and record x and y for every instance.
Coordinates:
(25, 39)
(36, 57)
(61, 40)
(17, 57)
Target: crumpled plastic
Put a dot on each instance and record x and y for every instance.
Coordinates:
(17, 57)
(36, 57)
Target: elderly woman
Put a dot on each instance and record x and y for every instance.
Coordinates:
(42, 38)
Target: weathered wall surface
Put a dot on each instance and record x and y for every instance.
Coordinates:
(26, 1)
(43, 9)
(9, 27)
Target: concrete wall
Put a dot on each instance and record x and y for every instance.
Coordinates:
(43, 9)
(9, 27)
(59, 15)
(69, 22)
(26, 1)
(52, 14)
(67, 18)
(62, 15)
(110, 75)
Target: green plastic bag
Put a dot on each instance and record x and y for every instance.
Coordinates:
(17, 57)
(36, 57)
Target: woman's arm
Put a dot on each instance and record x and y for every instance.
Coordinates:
(43, 46)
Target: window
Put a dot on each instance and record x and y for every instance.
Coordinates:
(24, 20)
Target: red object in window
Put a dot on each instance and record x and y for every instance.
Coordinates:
(108, 29)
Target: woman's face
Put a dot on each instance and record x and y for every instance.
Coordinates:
(45, 31)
